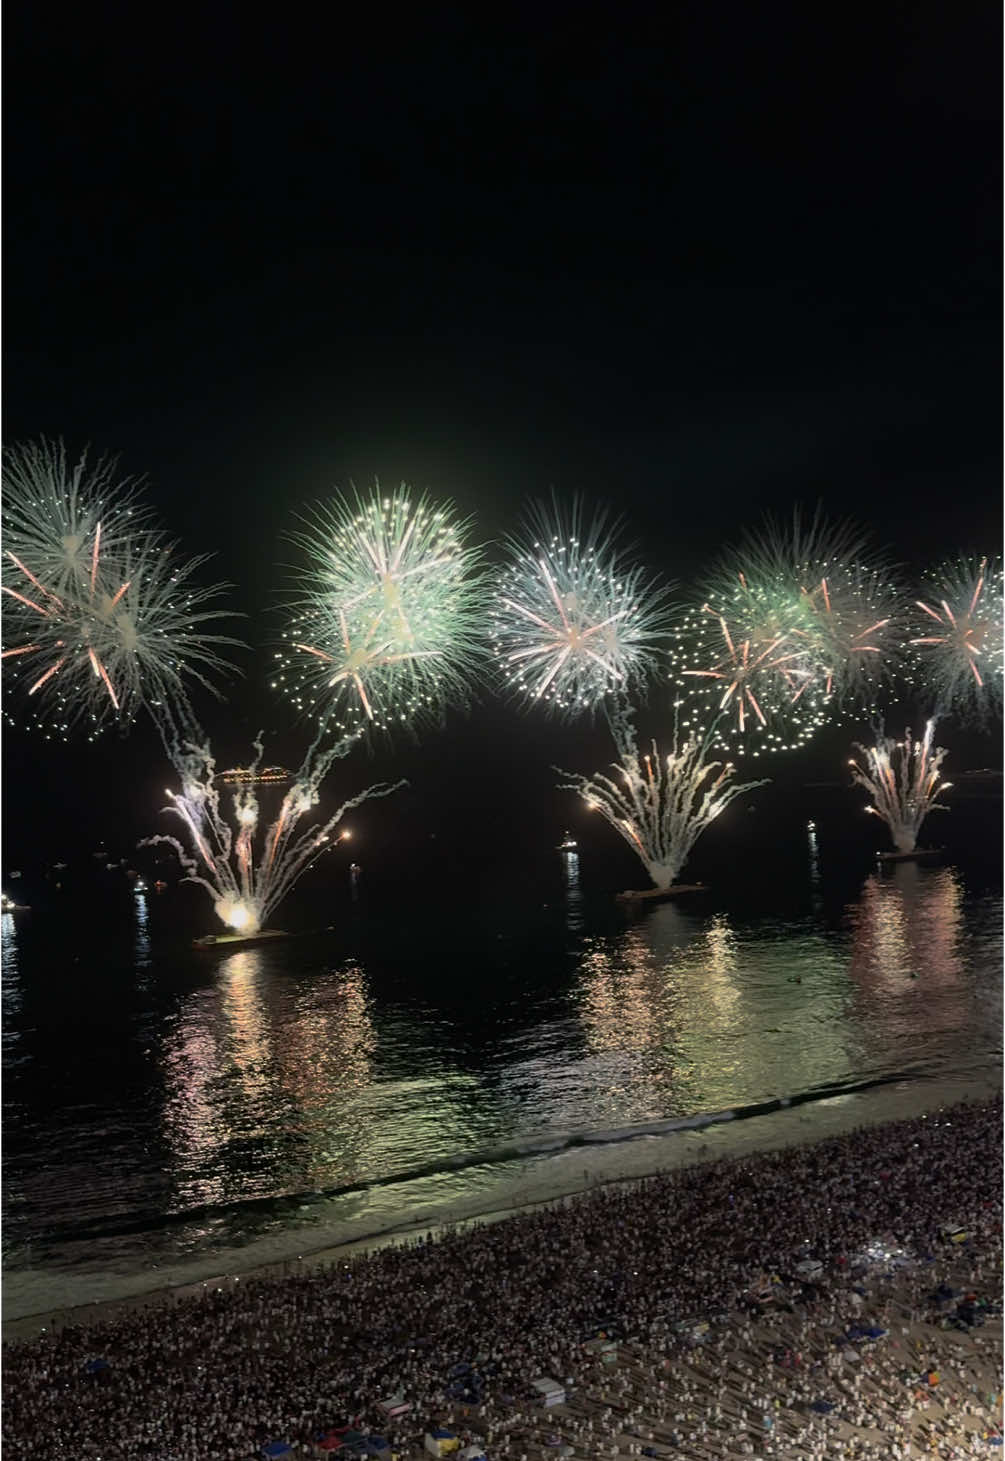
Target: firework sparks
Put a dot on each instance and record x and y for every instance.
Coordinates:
(246, 873)
(102, 616)
(796, 623)
(387, 631)
(742, 667)
(903, 782)
(659, 805)
(572, 622)
(960, 641)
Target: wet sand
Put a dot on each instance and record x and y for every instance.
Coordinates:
(547, 1182)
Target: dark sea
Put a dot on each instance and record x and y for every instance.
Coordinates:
(462, 1037)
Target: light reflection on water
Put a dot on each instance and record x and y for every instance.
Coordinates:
(273, 1073)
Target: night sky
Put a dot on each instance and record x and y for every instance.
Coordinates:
(740, 260)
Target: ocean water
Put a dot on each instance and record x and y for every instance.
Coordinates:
(447, 1050)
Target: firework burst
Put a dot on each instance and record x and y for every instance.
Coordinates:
(58, 517)
(743, 668)
(796, 623)
(102, 620)
(572, 622)
(849, 617)
(903, 782)
(659, 805)
(958, 638)
(387, 631)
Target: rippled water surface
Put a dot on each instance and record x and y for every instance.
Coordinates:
(158, 1100)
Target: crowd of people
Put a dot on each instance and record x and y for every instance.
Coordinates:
(730, 1291)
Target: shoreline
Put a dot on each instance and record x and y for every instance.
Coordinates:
(801, 1125)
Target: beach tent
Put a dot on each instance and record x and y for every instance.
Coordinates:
(394, 1405)
(441, 1442)
(549, 1391)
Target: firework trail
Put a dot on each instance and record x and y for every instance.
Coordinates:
(903, 782)
(958, 638)
(572, 621)
(247, 871)
(99, 615)
(386, 626)
(659, 805)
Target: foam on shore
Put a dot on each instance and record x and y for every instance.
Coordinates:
(33, 1298)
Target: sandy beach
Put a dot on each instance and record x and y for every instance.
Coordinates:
(542, 1183)
(921, 1373)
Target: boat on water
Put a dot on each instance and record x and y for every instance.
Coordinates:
(920, 854)
(7, 905)
(568, 844)
(209, 942)
(631, 897)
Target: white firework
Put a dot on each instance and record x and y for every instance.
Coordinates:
(903, 781)
(58, 517)
(246, 873)
(572, 621)
(659, 805)
(99, 616)
(958, 638)
(386, 626)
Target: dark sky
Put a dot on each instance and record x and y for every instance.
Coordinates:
(734, 260)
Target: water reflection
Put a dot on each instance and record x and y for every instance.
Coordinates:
(908, 954)
(142, 942)
(816, 901)
(687, 1014)
(258, 1081)
(9, 969)
(573, 890)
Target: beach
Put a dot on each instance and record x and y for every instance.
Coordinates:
(31, 1301)
(720, 1346)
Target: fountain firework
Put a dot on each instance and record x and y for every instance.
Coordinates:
(571, 620)
(659, 805)
(903, 782)
(245, 874)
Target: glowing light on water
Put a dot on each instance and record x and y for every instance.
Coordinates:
(659, 805)
(572, 621)
(903, 782)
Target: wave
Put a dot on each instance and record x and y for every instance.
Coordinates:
(526, 1149)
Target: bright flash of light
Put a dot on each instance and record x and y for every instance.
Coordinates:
(903, 781)
(958, 638)
(845, 603)
(661, 804)
(387, 617)
(99, 615)
(246, 869)
(572, 621)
